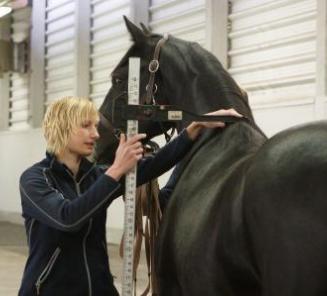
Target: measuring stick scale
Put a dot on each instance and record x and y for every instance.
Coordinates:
(130, 183)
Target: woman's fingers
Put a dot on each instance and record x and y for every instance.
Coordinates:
(136, 145)
(212, 124)
(139, 153)
(122, 138)
(135, 151)
(233, 112)
(215, 124)
(226, 112)
(136, 138)
(128, 153)
(221, 112)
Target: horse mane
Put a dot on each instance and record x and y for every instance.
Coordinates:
(216, 89)
(225, 87)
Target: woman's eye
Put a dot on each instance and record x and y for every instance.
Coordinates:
(86, 124)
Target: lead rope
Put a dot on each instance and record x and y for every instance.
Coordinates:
(147, 204)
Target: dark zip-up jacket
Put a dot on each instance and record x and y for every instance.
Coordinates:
(65, 221)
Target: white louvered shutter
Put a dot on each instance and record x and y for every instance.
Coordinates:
(19, 82)
(109, 42)
(183, 19)
(59, 49)
(272, 49)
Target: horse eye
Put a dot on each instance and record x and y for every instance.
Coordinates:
(117, 80)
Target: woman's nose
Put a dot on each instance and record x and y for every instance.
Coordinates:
(95, 133)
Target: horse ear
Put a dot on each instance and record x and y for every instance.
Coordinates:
(146, 31)
(136, 33)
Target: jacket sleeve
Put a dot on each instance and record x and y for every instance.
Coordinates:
(164, 159)
(46, 204)
(166, 191)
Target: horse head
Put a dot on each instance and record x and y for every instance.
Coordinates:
(188, 77)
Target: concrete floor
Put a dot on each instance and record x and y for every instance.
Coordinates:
(13, 252)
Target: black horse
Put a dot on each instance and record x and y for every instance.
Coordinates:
(248, 215)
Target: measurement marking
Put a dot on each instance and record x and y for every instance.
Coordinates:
(130, 183)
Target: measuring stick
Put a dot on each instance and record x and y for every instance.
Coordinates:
(130, 183)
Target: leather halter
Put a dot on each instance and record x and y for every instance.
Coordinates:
(151, 87)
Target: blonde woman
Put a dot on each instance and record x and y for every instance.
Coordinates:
(65, 197)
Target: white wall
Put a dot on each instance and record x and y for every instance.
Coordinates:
(18, 150)
(274, 119)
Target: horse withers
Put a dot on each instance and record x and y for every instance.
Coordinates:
(247, 215)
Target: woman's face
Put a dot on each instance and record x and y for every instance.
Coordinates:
(82, 139)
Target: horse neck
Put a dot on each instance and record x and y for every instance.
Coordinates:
(194, 80)
(235, 141)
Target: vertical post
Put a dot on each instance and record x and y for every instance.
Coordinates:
(321, 60)
(4, 80)
(217, 29)
(82, 46)
(37, 63)
(130, 183)
(4, 102)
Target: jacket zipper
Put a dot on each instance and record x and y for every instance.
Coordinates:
(77, 184)
(85, 258)
(30, 232)
(78, 191)
(46, 271)
(104, 246)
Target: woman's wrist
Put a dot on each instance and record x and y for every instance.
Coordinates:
(193, 130)
(114, 173)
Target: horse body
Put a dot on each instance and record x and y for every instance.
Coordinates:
(257, 226)
(285, 209)
(248, 215)
(202, 229)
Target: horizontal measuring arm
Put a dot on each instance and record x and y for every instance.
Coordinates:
(162, 113)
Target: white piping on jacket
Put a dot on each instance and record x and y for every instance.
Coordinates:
(67, 226)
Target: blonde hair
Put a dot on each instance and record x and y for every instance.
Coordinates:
(62, 117)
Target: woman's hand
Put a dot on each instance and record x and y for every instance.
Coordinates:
(128, 153)
(195, 128)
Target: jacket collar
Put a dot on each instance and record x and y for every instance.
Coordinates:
(84, 168)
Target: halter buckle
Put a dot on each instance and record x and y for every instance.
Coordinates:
(154, 89)
(153, 66)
